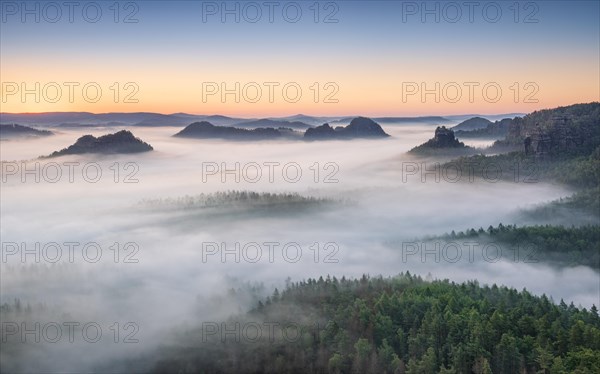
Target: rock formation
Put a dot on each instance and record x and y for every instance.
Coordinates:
(443, 139)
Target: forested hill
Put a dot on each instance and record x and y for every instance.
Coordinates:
(559, 245)
(400, 325)
(560, 145)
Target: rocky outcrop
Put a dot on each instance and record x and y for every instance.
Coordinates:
(120, 142)
(572, 130)
(360, 127)
(443, 139)
(321, 132)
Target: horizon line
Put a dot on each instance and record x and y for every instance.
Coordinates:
(274, 116)
(267, 116)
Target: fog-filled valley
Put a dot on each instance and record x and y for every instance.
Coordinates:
(299, 187)
(157, 241)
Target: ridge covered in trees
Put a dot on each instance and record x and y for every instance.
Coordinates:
(400, 325)
(554, 244)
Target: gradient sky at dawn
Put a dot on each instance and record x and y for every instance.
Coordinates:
(176, 49)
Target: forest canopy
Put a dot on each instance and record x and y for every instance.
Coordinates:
(402, 324)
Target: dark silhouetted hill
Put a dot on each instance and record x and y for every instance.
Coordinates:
(360, 127)
(120, 142)
(495, 130)
(471, 124)
(206, 130)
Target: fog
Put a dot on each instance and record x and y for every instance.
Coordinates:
(168, 273)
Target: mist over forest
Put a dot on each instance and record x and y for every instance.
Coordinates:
(196, 232)
(340, 187)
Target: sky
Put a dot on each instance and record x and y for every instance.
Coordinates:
(277, 58)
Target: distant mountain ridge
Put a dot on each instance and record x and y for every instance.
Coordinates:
(494, 130)
(475, 123)
(360, 127)
(390, 120)
(19, 131)
(490, 117)
(88, 119)
(310, 120)
(273, 123)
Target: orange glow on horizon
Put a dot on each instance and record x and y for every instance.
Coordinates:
(341, 92)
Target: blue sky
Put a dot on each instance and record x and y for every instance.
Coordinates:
(369, 42)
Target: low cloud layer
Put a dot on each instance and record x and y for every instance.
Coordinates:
(159, 268)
